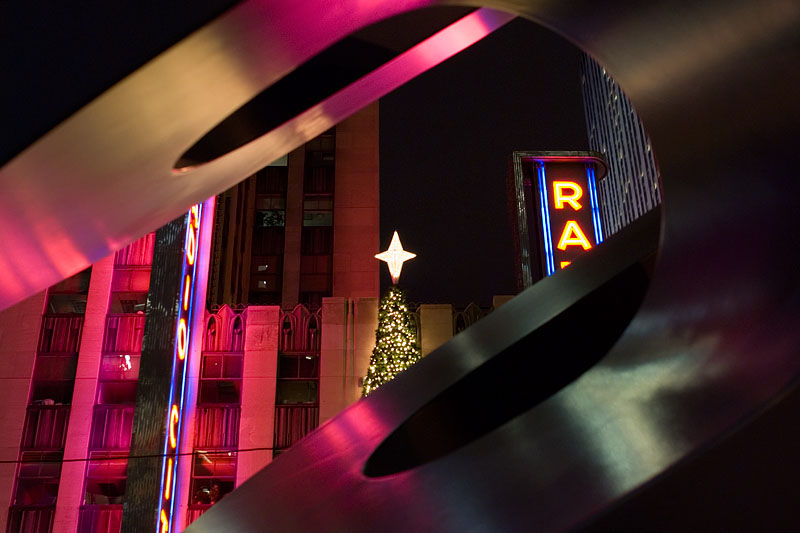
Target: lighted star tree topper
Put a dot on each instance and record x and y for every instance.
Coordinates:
(396, 346)
(395, 256)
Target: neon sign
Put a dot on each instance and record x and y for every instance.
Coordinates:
(558, 214)
(174, 421)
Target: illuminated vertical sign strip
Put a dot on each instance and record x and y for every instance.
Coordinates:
(598, 229)
(548, 243)
(174, 423)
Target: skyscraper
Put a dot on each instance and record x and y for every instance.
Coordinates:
(632, 186)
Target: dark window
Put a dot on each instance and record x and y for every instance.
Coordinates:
(37, 479)
(298, 366)
(222, 366)
(52, 392)
(268, 241)
(220, 391)
(296, 392)
(317, 240)
(55, 367)
(69, 296)
(272, 180)
(128, 302)
(116, 392)
(318, 211)
(106, 476)
(220, 378)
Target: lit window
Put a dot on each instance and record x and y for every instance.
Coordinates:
(213, 476)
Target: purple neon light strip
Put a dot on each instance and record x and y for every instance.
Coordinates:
(189, 324)
(548, 243)
(598, 229)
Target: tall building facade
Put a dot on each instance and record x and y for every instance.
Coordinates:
(632, 186)
(282, 343)
(286, 333)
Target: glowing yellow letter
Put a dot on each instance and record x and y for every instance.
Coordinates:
(186, 288)
(573, 236)
(193, 214)
(560, 198)
(173, 419)
(168, 486)
(191, 247)
(182, 339)
(564, 264)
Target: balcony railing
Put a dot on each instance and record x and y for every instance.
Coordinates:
(217, 427)
(100, 519)
(293, 422)
(45, 427)
(60, 334)
(124, 333)
(31, 519)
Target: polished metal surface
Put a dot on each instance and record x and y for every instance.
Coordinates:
(710, 360)
(105, 176)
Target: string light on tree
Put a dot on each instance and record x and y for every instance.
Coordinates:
(396, 346)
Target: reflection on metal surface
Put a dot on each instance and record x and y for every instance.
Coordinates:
(137, 129)
(511, 382)
(695, 405)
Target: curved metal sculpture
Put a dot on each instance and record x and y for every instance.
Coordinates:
(702, 381)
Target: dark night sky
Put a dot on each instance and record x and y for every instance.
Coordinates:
(446, 143)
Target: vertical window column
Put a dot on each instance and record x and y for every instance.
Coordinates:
(297, 388)
(44, 435)
(216, 437)
(269, 222)
(112, 417)
(316, 261)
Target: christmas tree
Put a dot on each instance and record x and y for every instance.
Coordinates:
(396, 345)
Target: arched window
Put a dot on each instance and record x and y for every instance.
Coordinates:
(237, 335)
(211, 335)
(312, 335)
(461, 324)
(286, 334)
